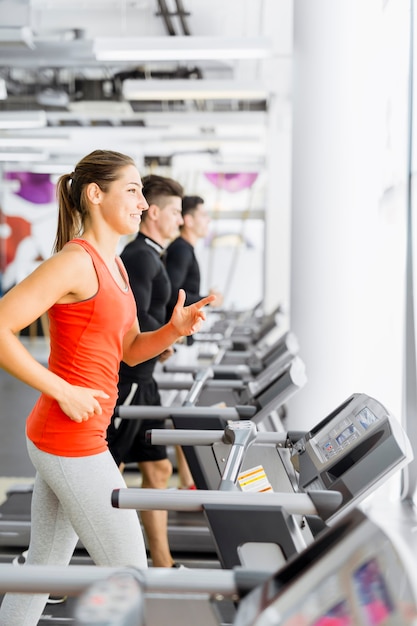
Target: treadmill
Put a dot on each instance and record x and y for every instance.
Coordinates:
(242, 364)
(355, 574)
(351, 452)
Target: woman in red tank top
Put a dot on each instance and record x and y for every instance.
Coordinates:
(93, 326)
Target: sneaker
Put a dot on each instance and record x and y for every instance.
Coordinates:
(56, 599)
(21, 559)
(178, 566)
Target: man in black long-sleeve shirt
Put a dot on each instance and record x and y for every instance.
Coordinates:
(180, 259)
(152, 289)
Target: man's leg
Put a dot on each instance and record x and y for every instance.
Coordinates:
(186, 480)
(155, 475)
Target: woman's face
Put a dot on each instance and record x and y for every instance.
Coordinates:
(123, 203)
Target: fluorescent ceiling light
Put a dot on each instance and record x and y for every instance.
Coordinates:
(22, 119)
(46, 167)
(16, 36)
(41, 166)
(134, 89)
(15, 156)
(99, 109)
(180, 48)
(33, 142)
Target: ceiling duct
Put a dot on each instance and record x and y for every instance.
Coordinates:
(15, 30)
(16, 36)
(166, 16)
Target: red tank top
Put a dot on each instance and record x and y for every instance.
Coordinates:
(86, 340)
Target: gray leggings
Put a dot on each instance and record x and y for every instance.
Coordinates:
(72, 499)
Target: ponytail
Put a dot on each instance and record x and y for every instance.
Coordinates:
(101, 167)
(70, 221)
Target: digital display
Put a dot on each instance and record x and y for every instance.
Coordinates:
(366, 418)
(338, 615)
(372, 593)
(364, 583)
(345, 432)
(335, 442)
(348, 433)
(370, 597)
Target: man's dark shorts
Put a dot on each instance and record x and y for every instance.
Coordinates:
(126, 437)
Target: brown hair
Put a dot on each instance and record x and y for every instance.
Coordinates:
(157, 188)
(190, 204)
(101, 167)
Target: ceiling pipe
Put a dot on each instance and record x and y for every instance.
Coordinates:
(164, 12)
(182, 14)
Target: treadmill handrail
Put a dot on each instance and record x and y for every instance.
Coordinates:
(72, 580)
(240, 369)
(183, 500)
(212, 383)
(162, 412)
(190, 437)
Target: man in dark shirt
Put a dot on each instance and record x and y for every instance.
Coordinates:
(180, 259)
(152, 290)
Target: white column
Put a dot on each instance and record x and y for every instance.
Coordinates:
(347, 247)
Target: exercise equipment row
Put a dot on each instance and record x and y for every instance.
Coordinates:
(334, 466)
(354, 574)
(355, 448)
(237, 332)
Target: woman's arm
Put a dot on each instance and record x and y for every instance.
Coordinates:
(65, 277)
(139, 347)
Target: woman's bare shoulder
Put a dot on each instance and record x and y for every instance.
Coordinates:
(72, 247)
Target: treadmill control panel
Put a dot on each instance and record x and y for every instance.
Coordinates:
(115, 601)
(345, 433)
(353, 450)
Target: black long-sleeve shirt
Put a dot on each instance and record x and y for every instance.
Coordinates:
(152, 289)
(183, 271)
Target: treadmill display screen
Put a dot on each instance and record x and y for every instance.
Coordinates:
(371, 598)
(354, 575)
(345, 432)
(366, 418)
(367, 602)
(372, 594)
(345, 435)
(338, 615)
(340, 437)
